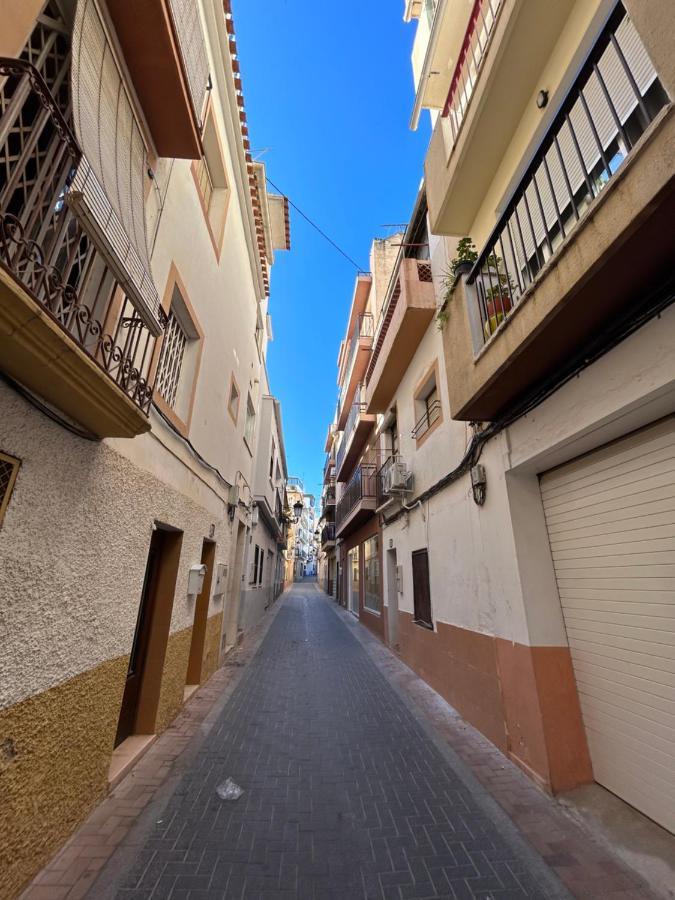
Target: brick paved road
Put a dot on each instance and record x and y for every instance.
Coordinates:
(345, 795)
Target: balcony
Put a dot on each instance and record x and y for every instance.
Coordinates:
(559, 271)
(358, 500)
(403, 321)
(329, 469)
(328, 536)
(357, 356)
(509, 46)
(437, 46)
(67, 331)
(359, 425)
(165, 53)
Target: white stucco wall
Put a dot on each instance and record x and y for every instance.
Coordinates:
(74, 545)
(490, 566)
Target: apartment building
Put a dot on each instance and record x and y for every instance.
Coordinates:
(527, 500)
(299, 540)
(136, 241)
(267, 540)
(328, 562)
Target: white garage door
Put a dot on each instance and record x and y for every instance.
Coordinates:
(611, 524)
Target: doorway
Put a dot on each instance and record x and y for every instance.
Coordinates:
(146, 660)
(353, 576)
(392, 599)
(193, 676)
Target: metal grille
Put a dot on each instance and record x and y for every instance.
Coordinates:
(8, 472)
(615, 97)
(44, 245)
(424, 272)
(205, 182)
(171, 362)
(431, 415)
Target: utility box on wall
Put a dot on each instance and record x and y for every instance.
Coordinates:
(220, 585)
(196, 579)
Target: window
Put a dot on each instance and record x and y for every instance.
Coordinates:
(272, 458)
(371, 574)
(392, 433)
(421, 589)
(250, 423)
(353, 575)
(259, 333)
(211, 181)
(9, 469)
(428, 411)
(233, 402)
(277, 474)
(171, 362)
(257, 566)
(179, 357)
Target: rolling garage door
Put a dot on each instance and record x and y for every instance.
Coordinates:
(611, 525)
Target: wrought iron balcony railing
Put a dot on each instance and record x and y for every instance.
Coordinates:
(612, 102)
(328, 533)
(44, 246)
(361, 486)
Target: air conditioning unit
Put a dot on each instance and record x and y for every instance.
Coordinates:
(397, 479)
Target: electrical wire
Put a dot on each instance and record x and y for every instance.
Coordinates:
(316, 227)
(48, 411)
(653, 306)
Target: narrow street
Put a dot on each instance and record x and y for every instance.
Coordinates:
(344, 795)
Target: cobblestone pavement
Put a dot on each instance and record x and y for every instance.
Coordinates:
(344, 794)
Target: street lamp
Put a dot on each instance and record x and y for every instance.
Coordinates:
(297, 509)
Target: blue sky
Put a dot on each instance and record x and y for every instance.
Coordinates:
(328, 97)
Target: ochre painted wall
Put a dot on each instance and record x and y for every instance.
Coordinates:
(55, 752)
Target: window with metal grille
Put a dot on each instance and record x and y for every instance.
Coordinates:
(427, 407)
(9, 468)
(421, 588)
(171, 360)
(250, 423)
(204, 181)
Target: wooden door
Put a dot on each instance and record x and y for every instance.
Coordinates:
(421, 588)
(139, 649)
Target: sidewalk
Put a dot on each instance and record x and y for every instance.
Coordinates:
(359, 782)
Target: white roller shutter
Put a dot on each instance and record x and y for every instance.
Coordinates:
(611, 524)
(108, 190)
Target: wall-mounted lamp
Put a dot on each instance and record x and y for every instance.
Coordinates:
(542, 99)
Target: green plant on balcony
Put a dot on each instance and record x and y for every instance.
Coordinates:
(466, 253)
(499, 293)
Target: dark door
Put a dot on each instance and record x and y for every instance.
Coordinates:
(139, 649)
(421, 589)
(196, 658)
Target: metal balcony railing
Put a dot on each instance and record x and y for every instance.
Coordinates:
(44, 246)
(328, 533)
(361, 486)
(431, 415)
(469, 62)
(363, 328)
(358, 409)
(612, 102)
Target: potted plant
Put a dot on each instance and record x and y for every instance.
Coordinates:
(465, 256)
(499, 289)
